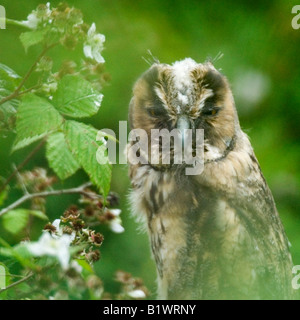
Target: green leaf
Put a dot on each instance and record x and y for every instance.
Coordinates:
(60, 157)
(9, 80)
(75, 97)
(19, 252)
(81, 139)
(8, 111)
(16, 220)
(9, 108)
(31, 38)
(36, 118)
(6, 252)
(26, 142)
(85, 266)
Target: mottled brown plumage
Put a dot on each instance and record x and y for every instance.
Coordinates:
(216, 235)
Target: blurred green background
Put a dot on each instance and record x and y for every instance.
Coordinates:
(261, 60)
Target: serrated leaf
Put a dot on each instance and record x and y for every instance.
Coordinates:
(9, 79)
(81, 139)
(8, 111)
(27, 141)
(9, 108)
(16, 220)
(31, 38)
(75, 97)
(36, 118)
(60, 157)
(10, 73)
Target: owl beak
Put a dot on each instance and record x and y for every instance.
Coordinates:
(183, 123)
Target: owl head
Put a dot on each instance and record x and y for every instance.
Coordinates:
(186, 95)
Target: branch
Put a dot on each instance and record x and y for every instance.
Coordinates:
(26, 197)
(17, 282)
(27, 75)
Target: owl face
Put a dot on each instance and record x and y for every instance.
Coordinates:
(186, 95)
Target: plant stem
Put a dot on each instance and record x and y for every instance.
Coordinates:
(17, 282)
(16, 94)
(27, 75)
(16, 23)
(78, 190)
(22, 164)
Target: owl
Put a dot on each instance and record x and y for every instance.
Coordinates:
(216, 234)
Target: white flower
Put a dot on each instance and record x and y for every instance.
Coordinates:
(50, 246)
(59, 232)
(115, 224)
(115, 212)
(33, 20)
(137, 294)
(56, 224)
(94, 45)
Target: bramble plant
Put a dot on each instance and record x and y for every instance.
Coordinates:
(59, 265)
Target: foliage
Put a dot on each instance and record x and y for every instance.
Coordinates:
(58, 265)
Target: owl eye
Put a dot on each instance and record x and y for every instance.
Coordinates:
(152, 112)
(210, 110)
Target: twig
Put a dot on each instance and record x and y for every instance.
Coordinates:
(78, 190)
(18, 94)
(29, 89)
(22, 164)
(17, 282)
(27, 75)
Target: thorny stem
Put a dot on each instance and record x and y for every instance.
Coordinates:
(27, 75)
(78, 190)
(17, 282)
(23, 163)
